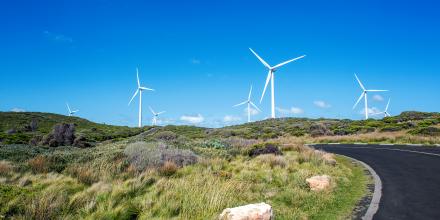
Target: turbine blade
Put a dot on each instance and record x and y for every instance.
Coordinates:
(145, 88)
(161, 112)
(240, 104)
(376, 90)
(360, 98)
(250, 92)
(68, 107)
(359, 81)
(135, 94)
(152, 111)
(255, 106)
(377, 113)
(261, 60)
(284, 63)
(388, 105)
(265, 86)
(137, 76)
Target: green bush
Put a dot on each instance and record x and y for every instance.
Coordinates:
(427, 131)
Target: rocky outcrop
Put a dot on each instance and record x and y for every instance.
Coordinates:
(261, 211)
(319, 183)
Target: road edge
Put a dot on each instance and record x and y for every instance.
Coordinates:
(377, 194)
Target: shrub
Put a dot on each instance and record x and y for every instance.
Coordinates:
(319, 129)
(35, 140)
(428, 131)
(391, 128)
(81, 142)
(39, 164)
(217, 144)
(61, 135)
(166, 135)
(143, 155)
(168, 168)
(266, 148)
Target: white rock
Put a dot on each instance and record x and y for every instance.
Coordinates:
(319, 183)
(261, 211)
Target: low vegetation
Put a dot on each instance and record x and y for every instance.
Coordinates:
(54, 167)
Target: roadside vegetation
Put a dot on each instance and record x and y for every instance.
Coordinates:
(82, 170)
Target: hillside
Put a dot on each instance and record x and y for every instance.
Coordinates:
(187, 172)
(21, 127)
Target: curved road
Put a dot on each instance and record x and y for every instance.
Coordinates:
(410, 178)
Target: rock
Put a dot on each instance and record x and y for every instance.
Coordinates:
(261, 211)
(319, 183)
(329, 159)
(24, 182)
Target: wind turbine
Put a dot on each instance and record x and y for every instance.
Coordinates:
(139, 90)
(249, 103)
(155, 115)
(270, 77)
(71, 113)
(385, 112)
(364, 95)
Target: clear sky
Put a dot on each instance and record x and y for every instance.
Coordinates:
(195, 54)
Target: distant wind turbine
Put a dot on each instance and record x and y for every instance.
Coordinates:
(270, 77)
(71, 113)
(139, 90)
(155, 115)
(385, 112)
(364, 95)
(249, 103)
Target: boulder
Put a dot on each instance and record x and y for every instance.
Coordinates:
(261, 211)
(319, 183)
(329, 159)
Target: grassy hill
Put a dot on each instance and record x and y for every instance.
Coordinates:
(21, 127)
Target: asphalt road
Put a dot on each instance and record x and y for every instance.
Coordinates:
(410, 178)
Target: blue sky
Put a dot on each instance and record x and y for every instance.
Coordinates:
(195, 54)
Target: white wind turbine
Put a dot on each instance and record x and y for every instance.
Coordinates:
(249, 103)
(71, 113)
(155, 115)
(270, 77)
(385, 112)
(364, 95)
(139, 90)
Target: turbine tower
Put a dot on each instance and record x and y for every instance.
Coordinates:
(364, 94)
(139, 90)
(71, 113)
(155, 115)
(249, 103)
(270, 77)
(385, 112)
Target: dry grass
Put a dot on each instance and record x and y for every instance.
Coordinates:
(399, 137)
(39, 164)
(273, 160)
(5, 167)
(168, 169)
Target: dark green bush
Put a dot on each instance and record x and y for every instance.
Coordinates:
(265, 148)
(426, 131)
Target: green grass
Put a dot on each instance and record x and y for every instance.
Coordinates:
(199, 191)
